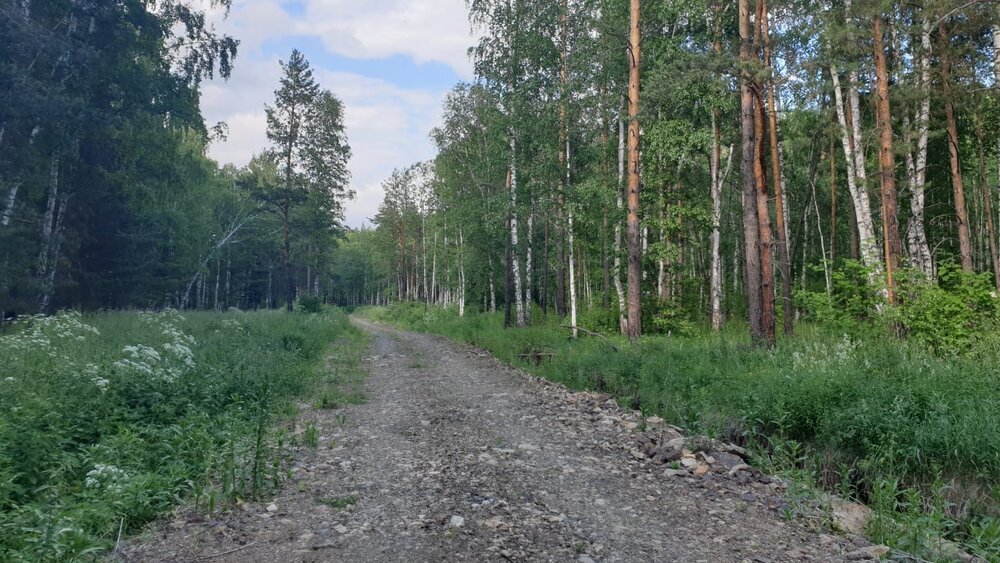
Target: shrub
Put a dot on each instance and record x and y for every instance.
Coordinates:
(309, 304)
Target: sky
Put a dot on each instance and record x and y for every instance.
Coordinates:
(390, 61)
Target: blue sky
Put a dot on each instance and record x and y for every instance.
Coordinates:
(390, 61)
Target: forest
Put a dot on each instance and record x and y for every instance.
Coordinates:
(644, 198)
(768, 222)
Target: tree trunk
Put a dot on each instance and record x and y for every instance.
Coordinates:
(461, 274)
(8, 211)
(286, 257)
(984, 186)
(572, 276)
(515, 264)
(916, 165)
(634, 256)
(766, 238)
(751, 228)
(563, 165)
(529, 266)
(961, 211)
(620, 206)
(779, 197)
(784, 263)
(48, 233)
(886, 159)
(867, 244)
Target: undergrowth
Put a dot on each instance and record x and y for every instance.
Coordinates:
(914, 434)
(109, 420)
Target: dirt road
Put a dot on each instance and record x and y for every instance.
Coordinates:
(457, 458)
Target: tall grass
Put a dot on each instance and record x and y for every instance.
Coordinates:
(108, 420)
(876, 418)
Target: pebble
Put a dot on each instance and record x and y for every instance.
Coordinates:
(456, 521)
(272, 507)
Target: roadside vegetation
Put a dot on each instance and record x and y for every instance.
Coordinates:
(109, 420)
(908, 427)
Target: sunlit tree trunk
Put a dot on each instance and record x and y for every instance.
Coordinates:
(633, 242)
(867, 244)
(886, 159)
(916, 159)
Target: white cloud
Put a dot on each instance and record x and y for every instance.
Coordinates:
(387, 125)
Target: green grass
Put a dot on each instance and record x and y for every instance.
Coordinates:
(111, 419)
(875, 418)
(339, 503)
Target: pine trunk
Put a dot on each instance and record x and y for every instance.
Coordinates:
(632, 222)
(751, 230)
(961, 211)
(886, 159)
(784, 263)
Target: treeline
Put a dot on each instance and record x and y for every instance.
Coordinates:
(107, 197)
(643, 166)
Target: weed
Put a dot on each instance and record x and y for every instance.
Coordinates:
(339, 503)
(310, 436)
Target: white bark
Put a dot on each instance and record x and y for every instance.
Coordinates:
(856, 183)
(619, 289)
(48, 229)
(461, 274)
(916, 166)
(572, 277)
(8, 211)
(718, 182)
(528, 267)
(515, 262)
(434, 269)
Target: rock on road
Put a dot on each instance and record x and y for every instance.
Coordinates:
(455, 457)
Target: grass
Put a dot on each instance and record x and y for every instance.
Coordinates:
(339, 503)
(111, 419)
(917, 436)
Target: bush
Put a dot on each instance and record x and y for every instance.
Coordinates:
(309, 304)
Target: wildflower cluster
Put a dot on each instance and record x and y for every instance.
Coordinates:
(107, 477)
(40, 333)
(171, 359)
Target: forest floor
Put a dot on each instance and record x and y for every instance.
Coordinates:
(454, 457)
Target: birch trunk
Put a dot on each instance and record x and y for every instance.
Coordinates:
(619, 289)
(8, 210)
(48, 230)
(916, 165)
(515, 264)
(572, 276)
(867, 244)
(461, 273)
(529, 267)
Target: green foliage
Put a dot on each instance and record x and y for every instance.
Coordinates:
(109, 420)
(853, 413)
(961, 311)
(309, 304)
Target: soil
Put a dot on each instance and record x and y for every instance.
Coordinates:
(455, 457)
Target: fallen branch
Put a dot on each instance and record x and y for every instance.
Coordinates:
(592, 333)
(220, 554)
